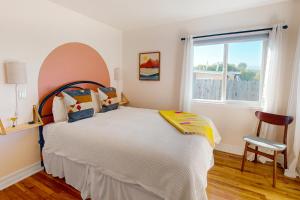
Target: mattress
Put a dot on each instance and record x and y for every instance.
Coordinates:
(133, 147)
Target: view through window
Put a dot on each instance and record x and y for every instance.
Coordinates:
(229, 72)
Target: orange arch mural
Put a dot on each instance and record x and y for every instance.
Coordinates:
(67, 63)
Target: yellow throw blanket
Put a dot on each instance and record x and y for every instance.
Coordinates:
(189, 123)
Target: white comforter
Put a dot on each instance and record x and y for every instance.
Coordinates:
(137, 146)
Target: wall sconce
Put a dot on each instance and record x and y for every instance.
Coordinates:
(117, 74)
(16, 74)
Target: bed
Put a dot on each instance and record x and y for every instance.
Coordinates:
(127, 154)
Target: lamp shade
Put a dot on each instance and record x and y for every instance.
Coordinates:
(15, 73)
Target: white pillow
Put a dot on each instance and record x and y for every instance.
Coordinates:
(59, 110)
(96, 103)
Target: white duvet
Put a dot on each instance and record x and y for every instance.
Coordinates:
(137, 146)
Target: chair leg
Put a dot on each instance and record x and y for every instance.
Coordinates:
(274, 169)
(244, 157)
(285, 158)
(255, 158)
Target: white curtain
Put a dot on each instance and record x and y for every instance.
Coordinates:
(272, 92)
(187, 76)
(294, 110)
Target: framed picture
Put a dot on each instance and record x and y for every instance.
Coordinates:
(149, 66)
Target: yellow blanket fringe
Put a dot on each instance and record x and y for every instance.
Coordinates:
(189, 123)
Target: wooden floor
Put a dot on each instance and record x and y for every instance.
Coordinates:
(225, 182)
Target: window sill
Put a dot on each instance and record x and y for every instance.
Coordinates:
(241, 104)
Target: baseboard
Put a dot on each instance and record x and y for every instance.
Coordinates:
(19, 175)
(230, 149)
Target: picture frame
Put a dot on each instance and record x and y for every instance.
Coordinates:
(149, 66)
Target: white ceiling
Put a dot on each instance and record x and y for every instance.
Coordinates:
(134, 14)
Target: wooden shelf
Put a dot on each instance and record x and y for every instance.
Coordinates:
(36, 119)
(123, 103)
(20, 127)
(124, 100)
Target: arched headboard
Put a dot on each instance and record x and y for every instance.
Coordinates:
(68, 63)
(67, 66)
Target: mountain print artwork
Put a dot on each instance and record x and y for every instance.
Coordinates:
(149, 68)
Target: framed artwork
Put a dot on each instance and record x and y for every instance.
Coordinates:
(149, 66)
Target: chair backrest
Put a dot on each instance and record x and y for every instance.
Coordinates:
(279, 120)
(274, 119)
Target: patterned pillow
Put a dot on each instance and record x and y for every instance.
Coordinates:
(108, 98)
(96, 103)
(79, 104)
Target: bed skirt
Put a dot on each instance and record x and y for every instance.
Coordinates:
(92, 183)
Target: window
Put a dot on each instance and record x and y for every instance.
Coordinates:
(230, 69)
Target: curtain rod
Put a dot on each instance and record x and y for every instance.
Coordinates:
(238, 32)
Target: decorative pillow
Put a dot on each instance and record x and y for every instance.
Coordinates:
(79, 104)
(59, 109)
(108, 98)
(96, 103)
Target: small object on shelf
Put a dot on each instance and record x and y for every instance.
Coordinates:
(13, 121)
(37, 121)
(124, 100)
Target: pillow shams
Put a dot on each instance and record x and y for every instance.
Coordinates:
(79, 104)
(59, 110)
(108, 99)
(96, 103)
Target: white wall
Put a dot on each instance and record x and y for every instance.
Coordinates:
(232, 121)
(29, 31)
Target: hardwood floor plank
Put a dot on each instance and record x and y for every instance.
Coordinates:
(3, 196)
(12, 193)
(225, 182)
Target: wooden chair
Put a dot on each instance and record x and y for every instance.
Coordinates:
(269, 118)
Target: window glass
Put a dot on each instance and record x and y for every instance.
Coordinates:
(230, 71)
(208, 72)
(244, 70)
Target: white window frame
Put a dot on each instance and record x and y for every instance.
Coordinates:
(255, 104)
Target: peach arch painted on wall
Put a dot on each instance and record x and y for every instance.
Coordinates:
(71, 62)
